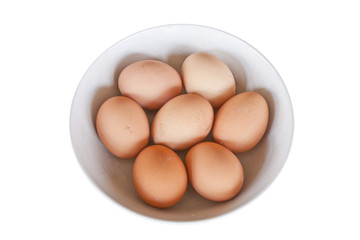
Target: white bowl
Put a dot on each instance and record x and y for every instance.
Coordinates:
(172, 44)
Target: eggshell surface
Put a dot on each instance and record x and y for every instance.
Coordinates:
(150, 83)
(209, 77)
(122, 126)
(241, 122)
(159, 176)
(214, 171)
(182, 122)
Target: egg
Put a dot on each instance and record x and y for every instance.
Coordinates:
(214, 171)
(159, 176)
(209, 77)
(241, 122)
(122, 126)
(150, 83)
(182, 122)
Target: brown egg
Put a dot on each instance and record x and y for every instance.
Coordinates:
(209, 77)
(182, 122)
(214, 171)
(159, 176)
(122, 126)
(241, 122)
(150, 83)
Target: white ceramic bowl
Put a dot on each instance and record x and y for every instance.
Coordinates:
(172, 44)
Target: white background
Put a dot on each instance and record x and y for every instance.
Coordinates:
(46, 47)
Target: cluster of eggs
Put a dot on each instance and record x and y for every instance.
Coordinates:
(182, 121)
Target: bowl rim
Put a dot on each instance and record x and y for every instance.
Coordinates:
(175, 221)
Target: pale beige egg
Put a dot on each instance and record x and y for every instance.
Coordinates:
(209, 77)
(122, 126)
(214, 171)
(241, 122)
(150, 83)
(182, 122)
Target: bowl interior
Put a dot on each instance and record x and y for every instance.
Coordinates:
(172, 44)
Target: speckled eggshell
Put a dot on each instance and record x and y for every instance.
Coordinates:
(159, 176)
(209, 77)
(241, 122)
(214, 171)
(150, 83)
(182, 122)
(122, 126)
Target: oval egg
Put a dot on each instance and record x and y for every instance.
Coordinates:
(208, 76)
(214, 171)
(150, 83)
(122, 126)
(241, 122)
(159, 176)
(182, 122)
